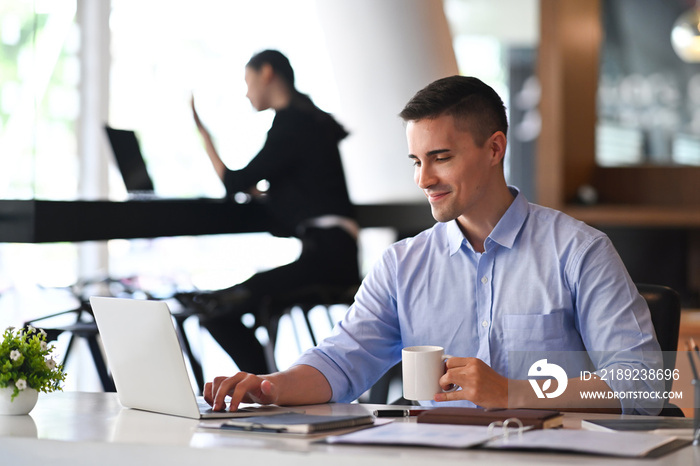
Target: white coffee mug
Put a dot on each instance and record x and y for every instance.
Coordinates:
(422, 368)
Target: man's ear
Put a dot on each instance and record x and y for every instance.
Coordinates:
(497, 145)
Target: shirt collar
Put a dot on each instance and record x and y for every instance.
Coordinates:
(455, 238)
(506, 229)
(509, 226)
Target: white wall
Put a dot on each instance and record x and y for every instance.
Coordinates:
(512, 22)
(382, 53)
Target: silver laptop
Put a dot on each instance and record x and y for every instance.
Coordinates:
(146, 361)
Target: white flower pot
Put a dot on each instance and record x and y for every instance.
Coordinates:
(18, 426)
(22, 404)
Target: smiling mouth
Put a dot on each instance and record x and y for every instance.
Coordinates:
(435, 197)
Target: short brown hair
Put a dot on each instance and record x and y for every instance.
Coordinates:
(469, 100)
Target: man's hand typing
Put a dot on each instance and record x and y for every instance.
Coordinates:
(242, 388)
(297, 385)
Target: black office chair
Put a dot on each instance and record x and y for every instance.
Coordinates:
(306, 300)
(665, 307)
(274, 309)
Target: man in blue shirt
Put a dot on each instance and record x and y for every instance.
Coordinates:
(496, 276)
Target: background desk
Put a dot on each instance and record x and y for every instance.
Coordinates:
(75, 429)
(40, 221)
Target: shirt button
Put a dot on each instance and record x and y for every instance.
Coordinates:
(485, 323)
(484, 280)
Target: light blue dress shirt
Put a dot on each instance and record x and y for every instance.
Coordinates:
(545, 282)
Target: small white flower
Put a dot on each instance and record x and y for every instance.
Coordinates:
(43, 332)
(30, 329)
(51, 364)
(21, 384)
(11, 329)
(15, 354)
(43, 346)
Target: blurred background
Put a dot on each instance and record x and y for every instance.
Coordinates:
(67, 67)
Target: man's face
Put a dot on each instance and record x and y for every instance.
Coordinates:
(450, 168)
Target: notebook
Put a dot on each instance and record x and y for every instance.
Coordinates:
(127, 153)
(537, 418)
(145, 357)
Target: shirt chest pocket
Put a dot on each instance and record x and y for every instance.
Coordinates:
(534, 332)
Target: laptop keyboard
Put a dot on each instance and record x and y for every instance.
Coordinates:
(204, 407)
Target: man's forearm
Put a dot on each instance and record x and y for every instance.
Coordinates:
(301, 385)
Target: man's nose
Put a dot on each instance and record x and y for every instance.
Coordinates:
(424, 177)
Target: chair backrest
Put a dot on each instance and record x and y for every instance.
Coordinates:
(306, 299)
(665, 306)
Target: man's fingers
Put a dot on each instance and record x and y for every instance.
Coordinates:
(223, 387)
(208, 393)
(267, 388)
(210, 389)
(242, 387)
(453, 362)
(268, 393)
(449, 396)
(254, 389)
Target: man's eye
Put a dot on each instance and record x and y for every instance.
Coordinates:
(442, 159)
(416, 163)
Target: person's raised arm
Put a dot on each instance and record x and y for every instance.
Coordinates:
(216, 161)
(299, 385)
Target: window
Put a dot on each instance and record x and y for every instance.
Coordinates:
(39, 105)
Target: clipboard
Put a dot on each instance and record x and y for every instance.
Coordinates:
(297, 423)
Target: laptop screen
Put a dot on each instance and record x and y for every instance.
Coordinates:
(127, 153)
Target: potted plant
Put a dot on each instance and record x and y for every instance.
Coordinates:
(26, 368)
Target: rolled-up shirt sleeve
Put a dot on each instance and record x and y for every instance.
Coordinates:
(366, 343)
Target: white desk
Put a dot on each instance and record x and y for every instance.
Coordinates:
(75, 428)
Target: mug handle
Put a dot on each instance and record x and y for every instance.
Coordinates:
(453, 387)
